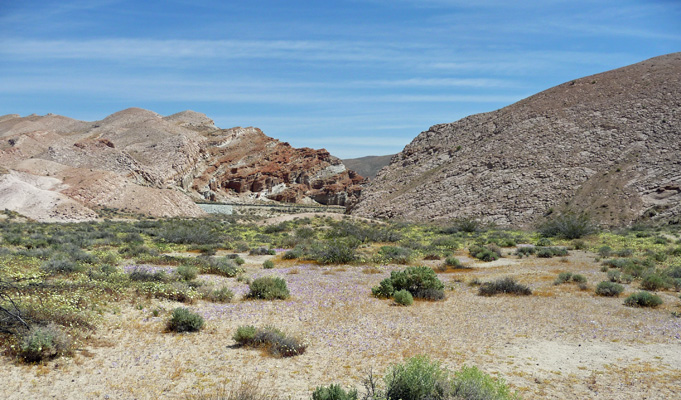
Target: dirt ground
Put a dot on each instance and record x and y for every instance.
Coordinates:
(559, 343)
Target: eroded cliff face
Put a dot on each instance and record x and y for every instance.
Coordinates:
(143, 162)
(609, 144)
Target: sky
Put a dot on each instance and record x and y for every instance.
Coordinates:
(357, 77)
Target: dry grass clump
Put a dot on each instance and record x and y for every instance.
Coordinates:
(276, 342)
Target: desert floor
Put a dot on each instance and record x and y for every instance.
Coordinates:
(559, 343)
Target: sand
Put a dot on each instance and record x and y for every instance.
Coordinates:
(559, 343)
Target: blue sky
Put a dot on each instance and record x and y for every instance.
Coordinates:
(355, 77)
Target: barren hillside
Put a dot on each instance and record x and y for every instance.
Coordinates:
(609, 144)
(142, 162)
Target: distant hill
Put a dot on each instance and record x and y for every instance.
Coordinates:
(368, 166)
(56, 168)
(608, 144)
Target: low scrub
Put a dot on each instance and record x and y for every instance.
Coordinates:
(403, 298)
(222, 295)
(337, 251)
(183, 320)
(485, 253)
(421, 282)
(394, 255)
(333, 392)
(565, 277)
(43, 343)
(643, 299)
(609, 289)
(268, 288)
(548, 252)
(504, 286)
(568, 226)
(275, 341)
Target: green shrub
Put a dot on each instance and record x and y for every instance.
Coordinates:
(643, 299)
(186, 272)
(43, 343)
(525, 251)
(453, 262)
(605, 251)
(504, 286)
(262, 251)
(60, 265)
(485, 253)
(333, 392)
(336, 251)
(183, 320)
(567, 226)
(268, 264)
(562, 278)
(140, 274)
(268, 288)
(223, 266)
(619, 277)
(445, 242)
(579, 244)
(403, 298)
(577, 278)
(421, 282)
(394, 254)
(275, 341)
(548, 252)
(609, 289)
(222, 295)
(544, 242)
(419, 378)
(294, 253)
(653, 282)
(472, 384)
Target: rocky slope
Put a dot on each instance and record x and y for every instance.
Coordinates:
(368, 166)
(609, 144)
(57, 168)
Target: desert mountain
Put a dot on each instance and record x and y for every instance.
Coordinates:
(57, 168)
(608, 144)
(368, 166)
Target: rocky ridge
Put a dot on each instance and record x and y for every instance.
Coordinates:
(608, 144)
(139, 161)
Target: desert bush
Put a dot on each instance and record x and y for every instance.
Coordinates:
(624, 253)
(60, 265)
(449, 243)
(604, 251)
(43, 343)
(176, 291)
(485, 253)
(421, 282)
(222, 295)
(472, 384)
(268, 288)
(335, 251)
(268, 264)
(186, 232)
(184, 320)
(186, 272)
(568, 226)
(504, 286)
(418, 378)
(525, 251)
(654, 282)
(222, 266)
(333, 392)
(403, 298)
(296, 252)
(577, 278)
(393, 254)
(643, 299)
(140, 274)
(275, 341)
(562, 278)
(544, 242)
(548, 252)
(609, 289)
(262, 251)
(619, 277)
(579, 244)
(453, 262)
